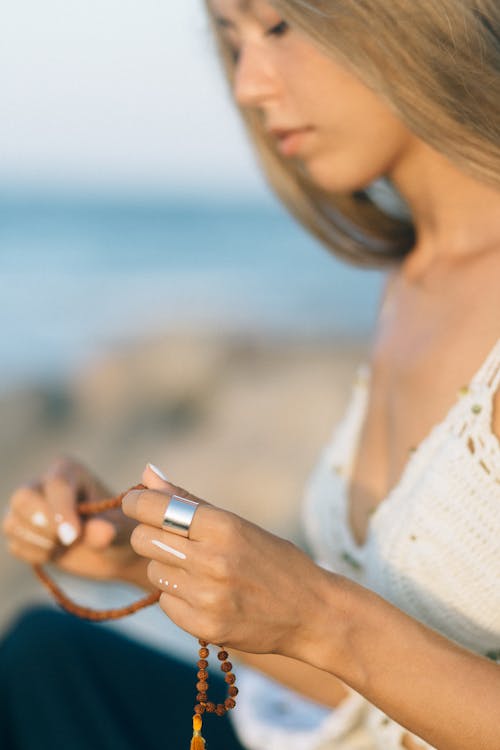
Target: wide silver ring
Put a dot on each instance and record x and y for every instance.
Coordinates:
(179, 515)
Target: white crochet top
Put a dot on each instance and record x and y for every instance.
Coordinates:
(432, 549)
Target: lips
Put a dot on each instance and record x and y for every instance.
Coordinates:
(281, 132)
(290, 140)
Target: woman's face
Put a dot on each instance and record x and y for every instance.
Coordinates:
(318, 112)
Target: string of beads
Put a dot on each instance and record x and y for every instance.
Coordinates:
(204, 705)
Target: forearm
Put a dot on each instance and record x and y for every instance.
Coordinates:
(439, 691)
(311, 682)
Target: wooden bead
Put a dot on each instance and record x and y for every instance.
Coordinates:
(226, 667)
(202, 663)
(233, 691)
(202, 674)
(229, 703)
(203, 643)
(202, 697)
(230, 678)
(220, 709)
(222, 655)
(203, 652)
(210, 707)
(202, 686)
(199, 709)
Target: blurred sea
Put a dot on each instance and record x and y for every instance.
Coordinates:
(79, 273)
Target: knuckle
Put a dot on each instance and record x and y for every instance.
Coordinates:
(219, 567)
(228, 525)
(209, 599)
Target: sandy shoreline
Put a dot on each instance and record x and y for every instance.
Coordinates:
(237, 420)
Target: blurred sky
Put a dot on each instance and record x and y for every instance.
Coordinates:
(117, 94)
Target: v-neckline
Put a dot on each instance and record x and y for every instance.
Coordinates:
(360, 549)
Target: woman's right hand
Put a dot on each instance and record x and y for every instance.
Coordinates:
(42, 525)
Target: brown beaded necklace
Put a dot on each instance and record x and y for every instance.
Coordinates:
(203, 704)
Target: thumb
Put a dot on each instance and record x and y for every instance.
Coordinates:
(155, 479)
(99, 533)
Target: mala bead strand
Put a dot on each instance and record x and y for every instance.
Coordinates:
(204, 705)
(86, 613)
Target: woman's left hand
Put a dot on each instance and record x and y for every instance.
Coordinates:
(230, 583)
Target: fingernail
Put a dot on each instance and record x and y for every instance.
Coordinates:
(159, 473)
(39, 519)
(66, 533)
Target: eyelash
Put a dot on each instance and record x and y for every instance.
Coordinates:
(278, 30)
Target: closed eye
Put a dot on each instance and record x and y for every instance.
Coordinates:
(278, 29)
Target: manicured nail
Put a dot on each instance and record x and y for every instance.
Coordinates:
(39, 519)
(66, 533)
(159, 473)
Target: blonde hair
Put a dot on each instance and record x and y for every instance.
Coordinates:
(437, 64)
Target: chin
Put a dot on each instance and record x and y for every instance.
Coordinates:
(340, 176)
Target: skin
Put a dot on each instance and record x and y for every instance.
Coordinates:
(340, 633)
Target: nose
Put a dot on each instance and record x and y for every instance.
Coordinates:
(255, 80)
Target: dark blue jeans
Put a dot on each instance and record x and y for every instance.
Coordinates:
(70, 685)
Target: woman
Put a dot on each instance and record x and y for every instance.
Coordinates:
(389, 638)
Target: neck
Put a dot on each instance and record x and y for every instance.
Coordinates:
(455, 215)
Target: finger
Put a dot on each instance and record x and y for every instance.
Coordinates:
(61, 490)
(29, 505)
(149, 507)
(155, 479)
(99, 533)
(155, 544)
(182, 614)
(165, 578)
(17, 530)
(28, 553)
